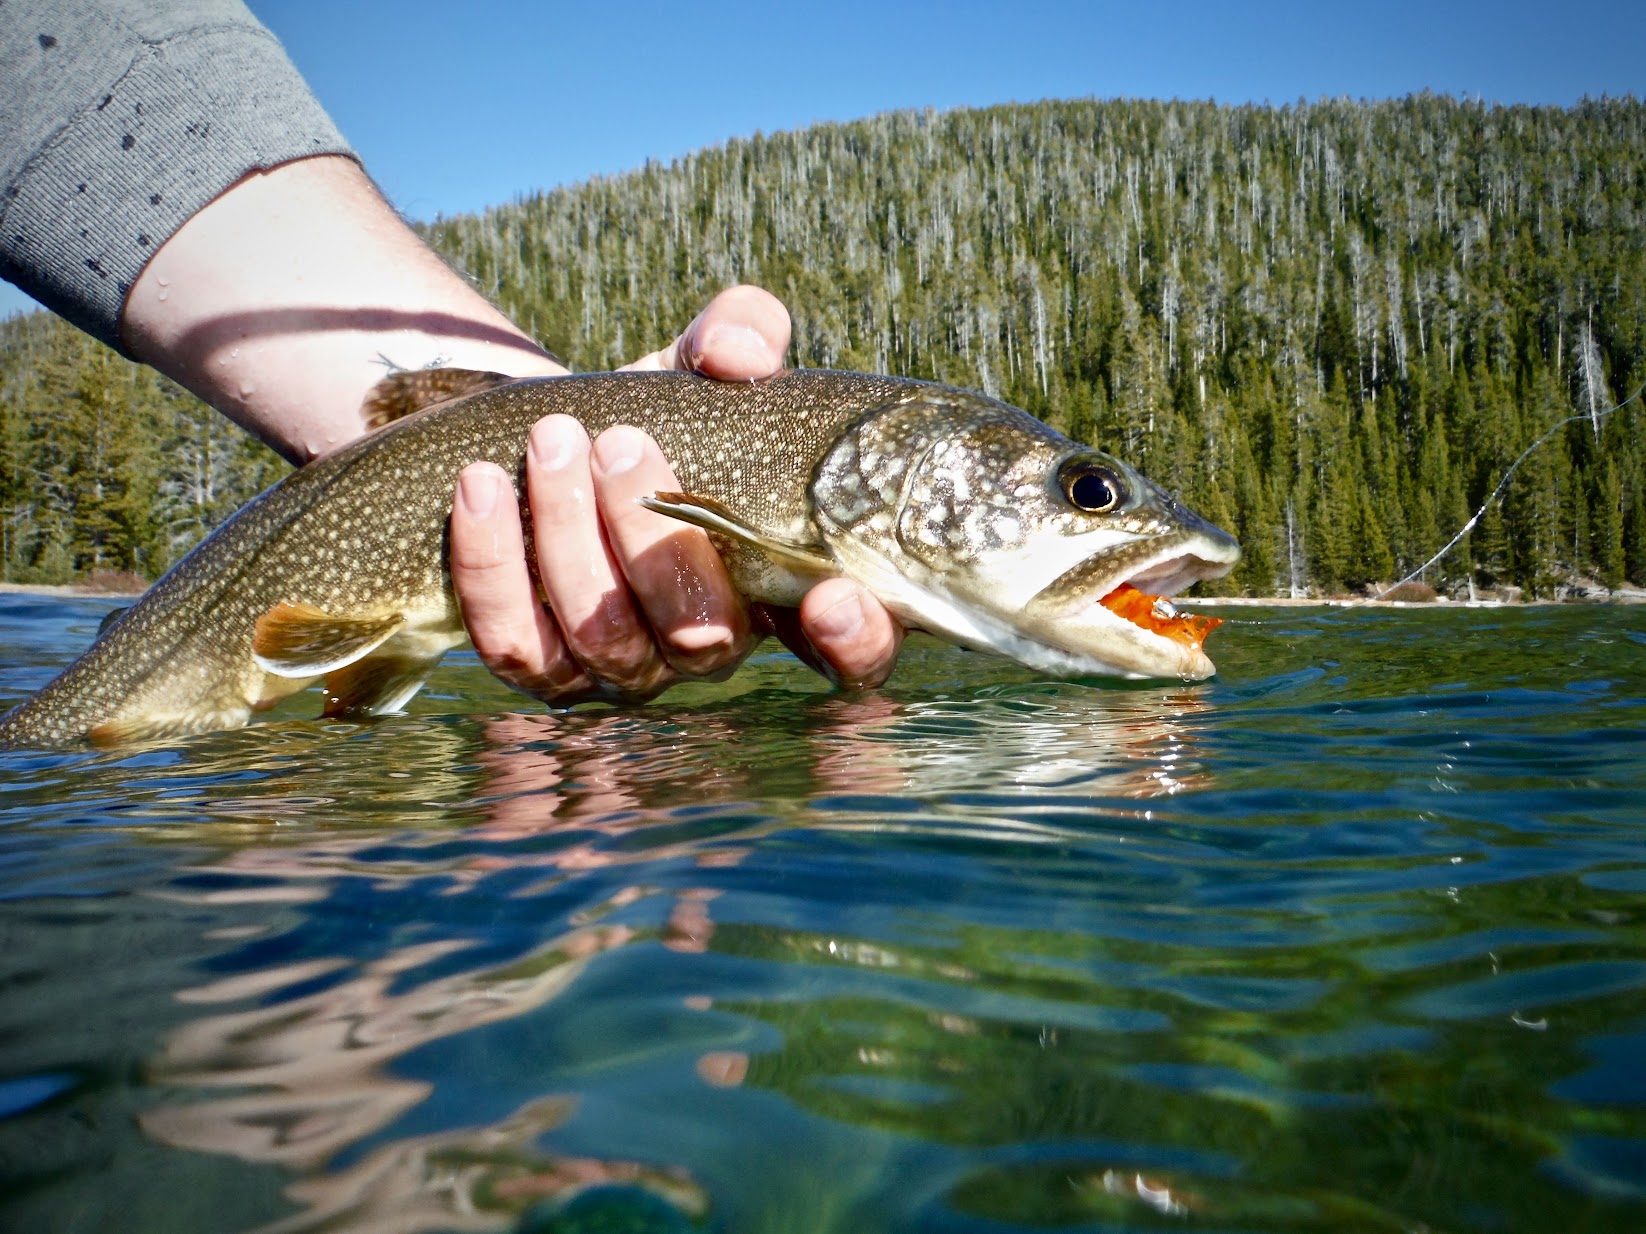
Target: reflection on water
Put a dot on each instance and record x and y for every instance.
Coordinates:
(1349, 939)
(307, 1064)
(310, 1077)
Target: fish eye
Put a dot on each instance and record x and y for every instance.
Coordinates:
(1090, 486)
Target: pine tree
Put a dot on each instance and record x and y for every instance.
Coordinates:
(1385, 303)
(1609, 557)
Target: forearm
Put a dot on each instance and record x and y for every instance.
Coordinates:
(284, 300)
(119, 120)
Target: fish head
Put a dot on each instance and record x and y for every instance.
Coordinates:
(977, 522)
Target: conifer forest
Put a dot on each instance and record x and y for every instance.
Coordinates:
(1331, 327)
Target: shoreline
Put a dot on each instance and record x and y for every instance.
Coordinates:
(74, 591)
(1193, 602)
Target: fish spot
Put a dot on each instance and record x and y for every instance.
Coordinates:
(127, 142)
(47, 42)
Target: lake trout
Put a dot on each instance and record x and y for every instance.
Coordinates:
(967, 518)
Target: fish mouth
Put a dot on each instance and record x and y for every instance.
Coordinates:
(1118, 606)
(1158, 615)
(1158, 568)
(1170, 575)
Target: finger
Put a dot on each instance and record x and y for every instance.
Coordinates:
(743, 335)
(852, 632)
(700, 621)
(510, 631)
(587, 592)
(784, 625)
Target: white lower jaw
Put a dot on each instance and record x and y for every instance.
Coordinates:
(1128, 651)
(1089, 641)
(1108, 646)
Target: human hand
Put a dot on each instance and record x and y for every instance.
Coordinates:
(636, 600)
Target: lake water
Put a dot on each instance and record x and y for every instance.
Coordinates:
(1352, 938)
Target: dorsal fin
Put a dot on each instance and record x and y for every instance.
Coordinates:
(400, 394)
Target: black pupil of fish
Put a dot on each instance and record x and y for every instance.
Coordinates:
(1091, 492)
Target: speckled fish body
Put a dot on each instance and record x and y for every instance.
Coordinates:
(955, 509)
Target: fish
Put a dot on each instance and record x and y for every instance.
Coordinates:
(965, 516)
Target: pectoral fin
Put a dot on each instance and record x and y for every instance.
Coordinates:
(376, 685)
(400, 394)
(715, 516)
(299, 640)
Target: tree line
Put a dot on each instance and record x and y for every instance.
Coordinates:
(1330, 326)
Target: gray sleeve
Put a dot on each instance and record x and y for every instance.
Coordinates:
(118, 120)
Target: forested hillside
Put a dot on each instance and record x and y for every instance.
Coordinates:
(104, 464)
(1330, 326)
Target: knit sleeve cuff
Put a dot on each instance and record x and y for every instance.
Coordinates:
(179, 122)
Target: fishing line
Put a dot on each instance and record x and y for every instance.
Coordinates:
(1494, 495)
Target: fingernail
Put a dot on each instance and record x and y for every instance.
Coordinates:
(552, 443)
(842, 620)
(618, 450)
(695, 640)
(735, 349)
(477, 489)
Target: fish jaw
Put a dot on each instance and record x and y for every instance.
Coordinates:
(1072, 610)
(1058, 633)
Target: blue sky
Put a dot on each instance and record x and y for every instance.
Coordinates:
(456, 107)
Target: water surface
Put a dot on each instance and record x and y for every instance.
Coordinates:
(1350, 938)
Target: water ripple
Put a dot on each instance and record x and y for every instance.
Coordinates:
(1350, 937)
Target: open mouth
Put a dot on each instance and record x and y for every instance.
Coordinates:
(1158, 615)
(1142, 598)
(1139, 596)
